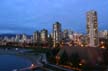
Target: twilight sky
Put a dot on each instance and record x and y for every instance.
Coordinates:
(26, 16)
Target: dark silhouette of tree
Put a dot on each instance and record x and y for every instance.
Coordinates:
(75, 59)
(55, 51)
(105, 57)
(50, 42)
(64, 58)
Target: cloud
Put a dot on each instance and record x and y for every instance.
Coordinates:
(30, 15)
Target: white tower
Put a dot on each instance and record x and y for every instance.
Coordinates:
(92, 29)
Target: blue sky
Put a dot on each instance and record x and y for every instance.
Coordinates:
(26, 16)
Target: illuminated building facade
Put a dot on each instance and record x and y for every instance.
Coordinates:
(36, 36)
(44, 35)
(56, 33)
(92, 29)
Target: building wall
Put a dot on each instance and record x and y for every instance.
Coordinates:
(36, 36)
(44, 35)
(92, 29)
(103, 34)
(57, 33)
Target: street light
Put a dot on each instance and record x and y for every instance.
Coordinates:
(80, 64)
(103, 46)
(102, 42)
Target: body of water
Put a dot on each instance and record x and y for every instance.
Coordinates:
(10, 62)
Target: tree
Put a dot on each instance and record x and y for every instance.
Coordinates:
(55, 51)
(64, 58)
(105, 57)
(50, 42)
(75, 59)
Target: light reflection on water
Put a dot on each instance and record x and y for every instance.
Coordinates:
(13, 62)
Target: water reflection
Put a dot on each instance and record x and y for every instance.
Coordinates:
(12, 62)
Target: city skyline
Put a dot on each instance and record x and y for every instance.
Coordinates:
(19, 16)
(53, 35)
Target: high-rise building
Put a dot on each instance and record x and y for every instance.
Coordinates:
(24, 38)
(17, 38)
(36, 36)
(92, 29)
(6, 39)
(44, 35)
(103, 34)
(65, 34)
(70, 34)
(56, 33)
(12, 39)
(51, 34)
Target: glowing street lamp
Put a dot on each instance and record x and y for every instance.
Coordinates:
(32, 65)
(80, 64)
(103, 47)
(82, 45)
(102, 42)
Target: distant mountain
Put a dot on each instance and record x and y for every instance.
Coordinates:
(12, 35)
(7, 35)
